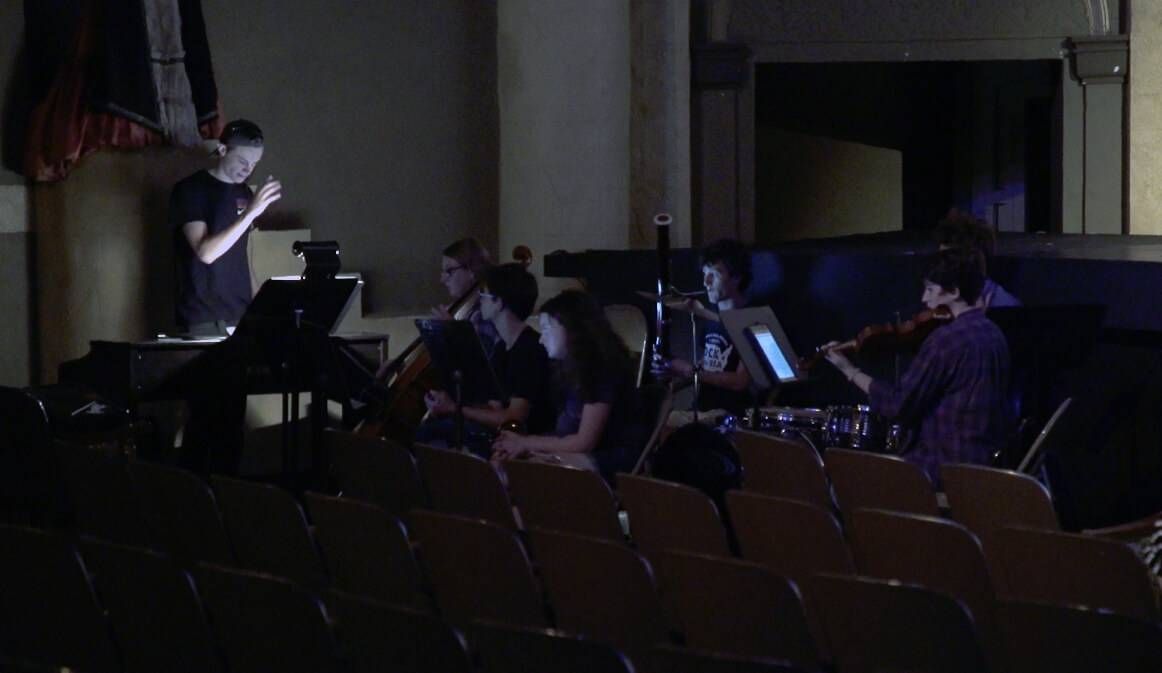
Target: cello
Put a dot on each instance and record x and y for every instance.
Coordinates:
(398, 393)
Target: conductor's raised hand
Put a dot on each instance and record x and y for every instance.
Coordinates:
(268, 193)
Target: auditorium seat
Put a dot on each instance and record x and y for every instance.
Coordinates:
(878, 481)
(478, 570)
(376, 637)
(465, 485)
(783, 468)
(1077, 640)
(794, 539)
(374, 470)
(935, 553)
(671, 659)
(102, 497)
(49, 613)
(739, 607)
(264, 623)
(269, 531)
(985, 498)
(510, 649)
(563, 498)
(1070, 569)
(366, 551)
(155, 612)
(600, 589)
(876, 625)
(664, 515)
(182, 512)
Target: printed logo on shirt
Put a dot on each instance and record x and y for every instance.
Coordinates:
(716, 353)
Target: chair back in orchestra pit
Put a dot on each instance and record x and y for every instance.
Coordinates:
(935, 553)
(600, 589)
(265, 623)
(269, 531)
(737, 607)
(375, 470)
(878, 481)
(367, 551)
(375, 637)
(465, 485)
(985, 499)
(876, 625)
(154, 609)
(1062, 639)
(681, 660)
(795, 540)
(783, 468)
(664, 515)
(478, 570)
(655, 402)
(510, 649)
(563, 498)
(1069, 569)
(49, 611)
(182, 512)
(103, 497)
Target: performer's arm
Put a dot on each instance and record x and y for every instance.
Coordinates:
(494, 415)
(209, 248)
(737, 379)
(594, 417)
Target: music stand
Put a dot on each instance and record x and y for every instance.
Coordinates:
(763, 348)
(459, 356)
(287, 327)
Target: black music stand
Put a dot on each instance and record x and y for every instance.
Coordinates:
(287, 328)
(459, 356)
(763, 348)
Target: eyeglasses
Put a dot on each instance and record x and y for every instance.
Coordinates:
(451, 270)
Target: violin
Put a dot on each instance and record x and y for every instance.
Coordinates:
(399, 396)
(888, 337)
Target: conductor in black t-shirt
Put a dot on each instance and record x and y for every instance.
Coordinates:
(211, 213)
(507, 297)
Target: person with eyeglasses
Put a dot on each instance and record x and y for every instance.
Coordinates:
(520, 362)
(463, 263)
(211, 214)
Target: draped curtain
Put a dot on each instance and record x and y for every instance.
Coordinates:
(115, 74)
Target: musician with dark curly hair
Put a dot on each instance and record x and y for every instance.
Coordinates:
(598, 425)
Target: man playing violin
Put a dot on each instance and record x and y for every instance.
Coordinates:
(952, 396)
(726, 274)
(507, 296)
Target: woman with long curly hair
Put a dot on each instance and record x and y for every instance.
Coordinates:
(598, 426)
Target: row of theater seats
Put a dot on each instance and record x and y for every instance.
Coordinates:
(796, 556)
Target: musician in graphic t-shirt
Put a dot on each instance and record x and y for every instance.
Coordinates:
(725, 382)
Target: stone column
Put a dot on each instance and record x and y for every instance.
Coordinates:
(1145, 120)
(660, 119)
(1099, 63)
(723, 139)
(563, 91)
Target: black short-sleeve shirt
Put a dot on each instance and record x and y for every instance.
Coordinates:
(221, 290)
(720, 355)
(524, 371)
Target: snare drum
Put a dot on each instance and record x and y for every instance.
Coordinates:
(789, 422)
(855, 427)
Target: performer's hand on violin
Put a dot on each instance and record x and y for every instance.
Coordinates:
(441, 312)
(268, 193)
(439, 402)
(837, 358)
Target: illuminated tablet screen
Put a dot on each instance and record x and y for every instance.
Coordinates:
(776, 360)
